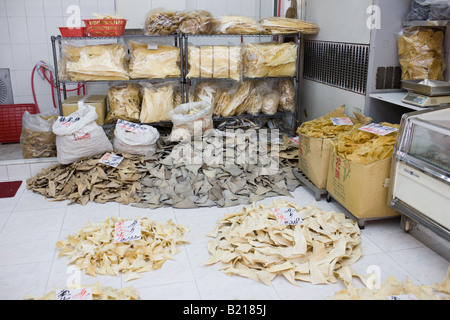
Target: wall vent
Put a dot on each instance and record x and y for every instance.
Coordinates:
(388, 78)
(341, 65)
(6, 96)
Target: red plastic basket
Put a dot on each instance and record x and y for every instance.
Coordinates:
(73, 32)
(105, 27)
(11, 121)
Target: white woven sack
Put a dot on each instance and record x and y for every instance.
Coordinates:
(134, 138)
(79, 136)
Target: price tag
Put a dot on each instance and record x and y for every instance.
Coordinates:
(343, 121)
(403, 297)
(74, 294)
(127, 230)
(111, 160)
(294, 140)
(131, 127)
(152, 46)
(81, 135)
(287, 216)
(378, 129)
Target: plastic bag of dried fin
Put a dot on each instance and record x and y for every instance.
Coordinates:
(224, 169)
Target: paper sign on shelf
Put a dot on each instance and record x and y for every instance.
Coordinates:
(74, 294)
(378, 129)
(111, 160)
(287, 216)
(127, 230)
(342, 121)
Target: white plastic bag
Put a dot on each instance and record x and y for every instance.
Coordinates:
(37, 138)
(189, 117)
(79, 136)
(134, 138)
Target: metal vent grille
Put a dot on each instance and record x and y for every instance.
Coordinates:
(6, 96)
(342, 65)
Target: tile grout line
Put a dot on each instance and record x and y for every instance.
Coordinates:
(55, 251)
(189, 260)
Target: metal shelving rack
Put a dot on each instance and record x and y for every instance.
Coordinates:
(56, 47)
(298, 39)
(181, 41)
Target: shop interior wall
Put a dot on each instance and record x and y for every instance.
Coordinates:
(340, 21)
(26, 27)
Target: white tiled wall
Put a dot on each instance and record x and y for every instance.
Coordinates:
(25, 30)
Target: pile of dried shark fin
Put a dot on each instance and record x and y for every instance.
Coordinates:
(253, 244)
(93, 249)
(391, 289)
(225, 173)
(88, 180)
(231, 175)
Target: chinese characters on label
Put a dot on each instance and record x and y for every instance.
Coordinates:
(74, 294)
(287, 216)
(343, 121)
(378, 129)
(127, 230)
(111, 160)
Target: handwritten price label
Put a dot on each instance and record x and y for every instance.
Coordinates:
(74, 294)
(67, 121)
(81, 135)
(378, 129)
(294, 140)
(111, 160)
(127, 230)
(287, 216)
(343, 121)
(131, 127)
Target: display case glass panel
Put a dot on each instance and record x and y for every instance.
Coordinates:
(430, 142)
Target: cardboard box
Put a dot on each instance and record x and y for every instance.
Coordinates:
(361, 189)
(98, 101)
(314, 153)
(314, 158)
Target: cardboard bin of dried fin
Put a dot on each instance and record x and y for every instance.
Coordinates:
(92, 248)
(365, 147)
(253, 244)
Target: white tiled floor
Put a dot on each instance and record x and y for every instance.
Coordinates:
(30, 226)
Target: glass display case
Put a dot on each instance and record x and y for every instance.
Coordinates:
(420, 186)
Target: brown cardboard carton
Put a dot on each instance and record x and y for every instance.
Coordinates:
(314, 156)
(98, 101)
(361, 189)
